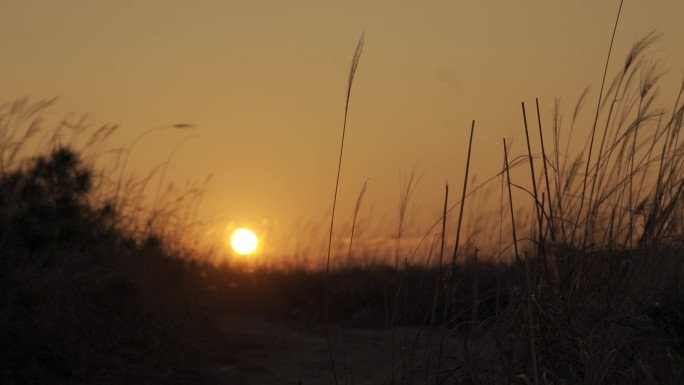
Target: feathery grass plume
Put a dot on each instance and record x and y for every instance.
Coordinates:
(620, 174)
(622, 137)
(350, 82)
(20, 122)
(625, 77)
(352, 73)
(670, 168)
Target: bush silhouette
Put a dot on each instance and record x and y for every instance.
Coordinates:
(47, 202)
(81, 297)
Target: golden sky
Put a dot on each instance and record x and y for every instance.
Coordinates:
(264, 82)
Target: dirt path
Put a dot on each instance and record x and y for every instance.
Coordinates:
(275, 352)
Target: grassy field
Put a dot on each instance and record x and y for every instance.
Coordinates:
(98, 285)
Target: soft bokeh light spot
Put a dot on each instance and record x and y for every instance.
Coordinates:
(244, 241)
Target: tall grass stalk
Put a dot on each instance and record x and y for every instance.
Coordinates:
(545, 160)
(350, 82)
(510, 201)
(532, 173)
(463, 197)
(551, 220)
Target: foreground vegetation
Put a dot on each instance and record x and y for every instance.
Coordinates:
(81, 297)
(96, 290)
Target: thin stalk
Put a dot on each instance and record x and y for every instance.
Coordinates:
(352, 72)
(535, 194)
(531, 159)
(463, 196)
(551, 219)
(460, 219)
(500, 248)
(510, 201)
(631, 159)
(593, 130)
(546, 174)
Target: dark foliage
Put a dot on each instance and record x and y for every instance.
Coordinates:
(80, 299)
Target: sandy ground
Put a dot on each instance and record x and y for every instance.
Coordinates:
(276, 352)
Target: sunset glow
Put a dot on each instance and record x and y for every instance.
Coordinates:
(263, 84)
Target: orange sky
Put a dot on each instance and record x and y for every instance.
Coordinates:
(264, 81)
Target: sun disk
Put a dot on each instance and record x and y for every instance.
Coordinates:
(244, 241)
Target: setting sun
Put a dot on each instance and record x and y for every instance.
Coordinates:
(244, 241)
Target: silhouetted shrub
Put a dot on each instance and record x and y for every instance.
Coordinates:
(80, 298)
(46, 203)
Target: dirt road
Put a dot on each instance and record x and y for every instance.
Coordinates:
(277, 352)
